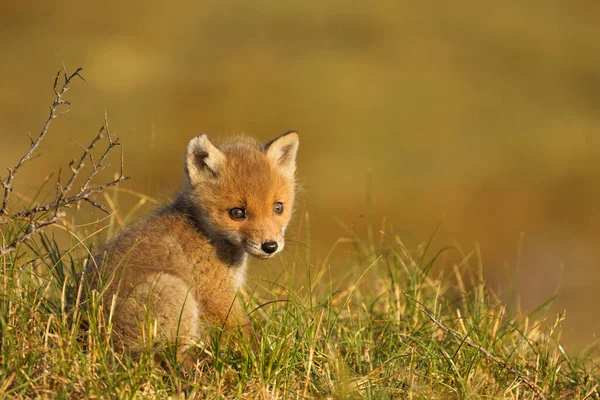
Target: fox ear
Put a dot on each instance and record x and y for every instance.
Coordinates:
(282, 152)
(203, 159)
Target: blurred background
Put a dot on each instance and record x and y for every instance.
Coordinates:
(482, 118)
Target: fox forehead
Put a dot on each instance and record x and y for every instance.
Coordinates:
(248, 179)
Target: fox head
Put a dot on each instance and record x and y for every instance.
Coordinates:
(242, 191)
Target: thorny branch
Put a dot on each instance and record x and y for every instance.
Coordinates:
(65, 194)
(56, 103)
(532, 385)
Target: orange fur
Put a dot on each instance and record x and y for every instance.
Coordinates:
(182, 267)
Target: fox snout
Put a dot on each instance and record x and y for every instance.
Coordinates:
(264, 250)
(269, 247)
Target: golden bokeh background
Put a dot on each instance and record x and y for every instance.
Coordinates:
(482, 117)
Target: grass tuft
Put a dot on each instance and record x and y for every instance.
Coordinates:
(392, 328)
(395, 330)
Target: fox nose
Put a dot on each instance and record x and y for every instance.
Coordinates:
(269, 247)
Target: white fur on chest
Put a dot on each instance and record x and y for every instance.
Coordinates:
(238, 273)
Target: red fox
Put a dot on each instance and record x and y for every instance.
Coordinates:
(181, 268)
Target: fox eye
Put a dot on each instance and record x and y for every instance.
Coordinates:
(237, 213)
(278, 208)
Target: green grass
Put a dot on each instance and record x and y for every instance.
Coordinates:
(391, 328)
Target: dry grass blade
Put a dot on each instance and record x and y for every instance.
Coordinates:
(485, 352)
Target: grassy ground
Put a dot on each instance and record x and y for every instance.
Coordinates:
(390, 329)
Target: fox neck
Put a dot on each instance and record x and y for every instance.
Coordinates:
(229, 253)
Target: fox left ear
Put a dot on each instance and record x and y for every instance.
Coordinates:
(203, 160)
(282, 152)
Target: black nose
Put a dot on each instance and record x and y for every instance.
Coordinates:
(269, 247)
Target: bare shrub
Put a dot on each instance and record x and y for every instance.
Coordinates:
(22, 225)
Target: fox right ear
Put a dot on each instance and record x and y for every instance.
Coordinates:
(282, 153)
(203, 159)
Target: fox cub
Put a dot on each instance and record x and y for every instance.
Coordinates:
(180, 269)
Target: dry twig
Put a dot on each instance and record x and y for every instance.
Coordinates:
(64, 193)
(58, 101)
(511, 368)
